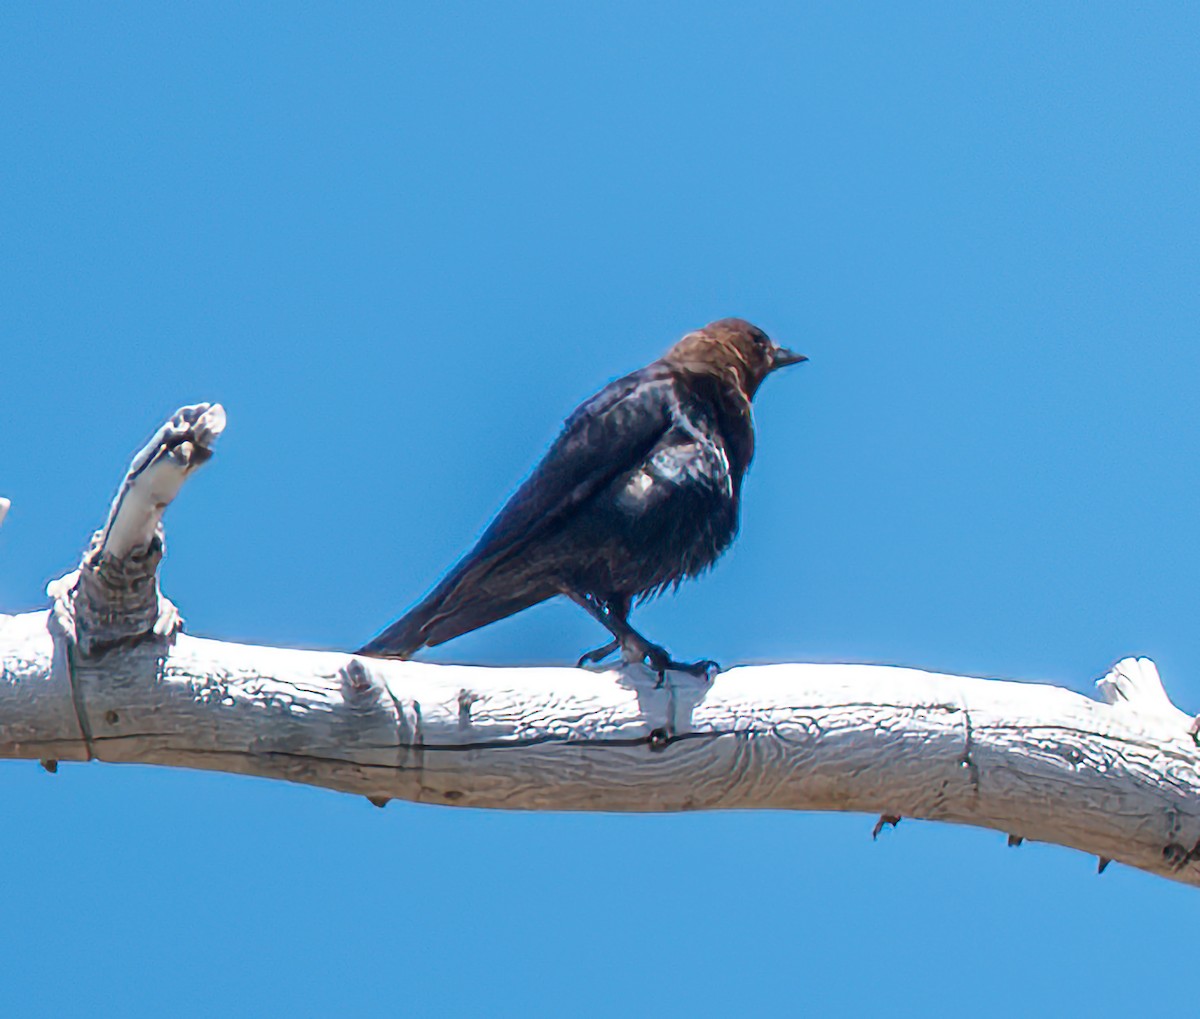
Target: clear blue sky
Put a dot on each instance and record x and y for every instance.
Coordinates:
(400, 243)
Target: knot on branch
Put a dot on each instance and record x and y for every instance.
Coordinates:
(112, 603)
(117, 601)
(359, 689)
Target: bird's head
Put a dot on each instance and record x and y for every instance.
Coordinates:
(733, 349)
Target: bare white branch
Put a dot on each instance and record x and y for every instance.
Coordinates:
(156, 475)
(105, 675)
(1033, 761)
(113, 597)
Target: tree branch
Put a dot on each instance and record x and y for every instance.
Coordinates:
(106, 674)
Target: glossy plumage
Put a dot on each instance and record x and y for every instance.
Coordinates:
(640, 491)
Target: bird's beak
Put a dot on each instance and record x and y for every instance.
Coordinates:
(782, 357)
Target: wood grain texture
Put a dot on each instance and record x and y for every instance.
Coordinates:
(107, 674)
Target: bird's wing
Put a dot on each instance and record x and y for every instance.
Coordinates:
(611, 433)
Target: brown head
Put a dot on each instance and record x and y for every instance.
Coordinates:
(734, 350)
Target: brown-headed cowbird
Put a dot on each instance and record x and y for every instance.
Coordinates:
(640, 490)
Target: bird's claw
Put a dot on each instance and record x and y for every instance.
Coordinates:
(597, 654)
(706, 668)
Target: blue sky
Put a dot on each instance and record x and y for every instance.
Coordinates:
(400, 243)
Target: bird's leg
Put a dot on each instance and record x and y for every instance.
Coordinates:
(614, 616)
(599, 611)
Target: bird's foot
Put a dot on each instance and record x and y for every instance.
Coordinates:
(598, 654)
(706, 668)
(659, 660)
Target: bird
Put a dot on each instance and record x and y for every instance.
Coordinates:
(640, 491)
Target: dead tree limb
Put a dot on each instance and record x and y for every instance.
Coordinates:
(107, 674)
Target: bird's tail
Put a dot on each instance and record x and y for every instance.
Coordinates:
(400, 640)
(444, 616)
